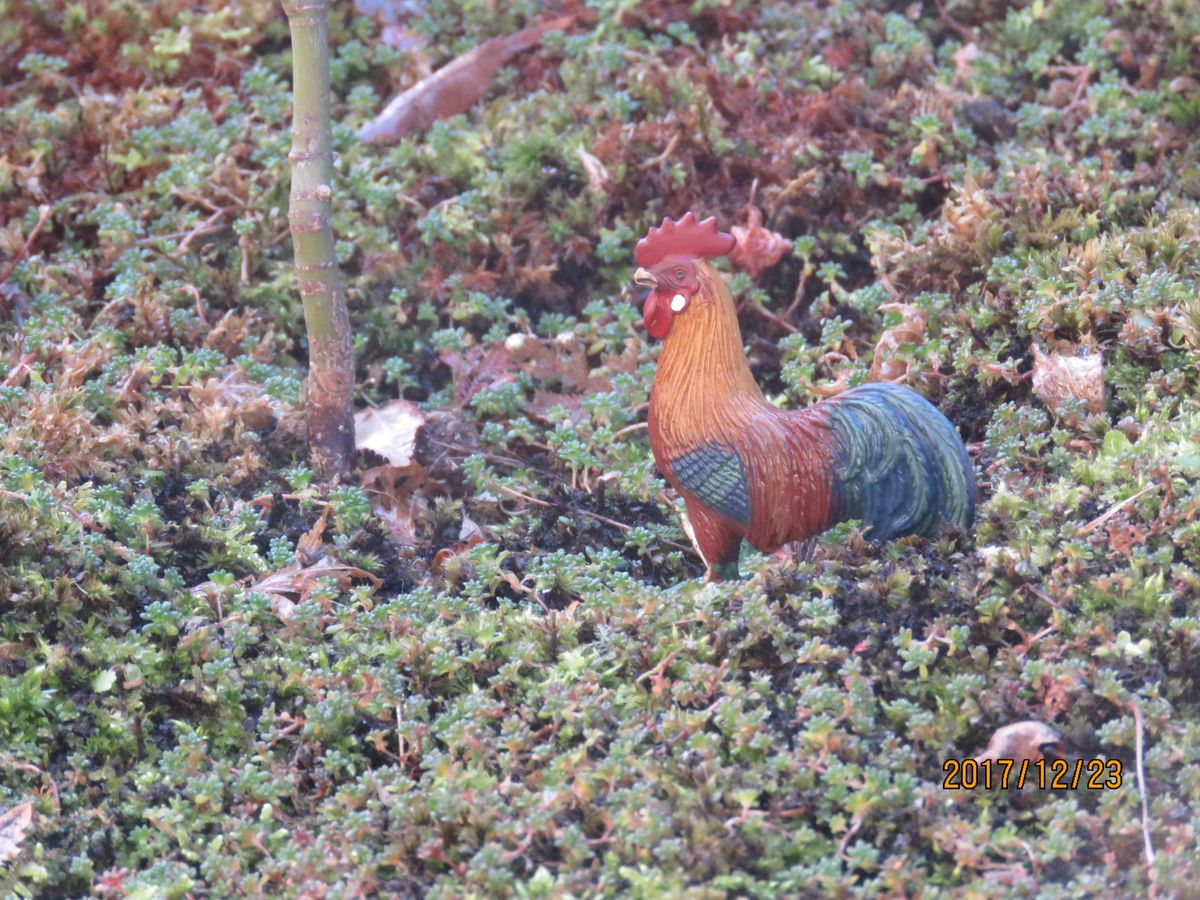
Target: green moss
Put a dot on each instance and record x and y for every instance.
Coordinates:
(219, 676)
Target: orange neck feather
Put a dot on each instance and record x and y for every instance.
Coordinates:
(703, 387)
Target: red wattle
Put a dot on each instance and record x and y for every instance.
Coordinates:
(657, 315)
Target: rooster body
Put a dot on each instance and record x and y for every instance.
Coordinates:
(749, 470)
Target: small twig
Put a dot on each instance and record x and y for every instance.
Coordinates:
(197, 199)
(238, 201)
(43, 216)
(1104, 517)
(606, 520)
(199, 231)
(665, 155)
(512, 492)
(208, 226)
(950, 22)
(797, 184)
(399, 732)
(1141, 781)
(1043, 596)
(629, 429)
(787, 326)
(244, 244)
(199, 301)
(21, 366)
(30, 767)
(847, 837)
(798, 296)
(890, 288)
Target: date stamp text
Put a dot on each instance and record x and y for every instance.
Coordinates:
(1046, 775)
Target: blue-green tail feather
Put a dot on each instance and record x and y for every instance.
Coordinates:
(901, 466)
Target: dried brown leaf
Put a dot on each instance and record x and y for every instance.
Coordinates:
(563, 359)
(455, 87)
(389, 430)
(543, 402)
(1059, 693)
(470, 533)
(476, 368)
(597, 174)
(13, 825)
(757, 248)
(395, 498)
(311, 545)
(1031, 740)
(295, 580)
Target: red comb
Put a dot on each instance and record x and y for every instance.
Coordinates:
(686, 237)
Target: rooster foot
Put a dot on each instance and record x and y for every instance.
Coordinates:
(726, 571)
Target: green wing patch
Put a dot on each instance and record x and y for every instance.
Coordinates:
(716, 476)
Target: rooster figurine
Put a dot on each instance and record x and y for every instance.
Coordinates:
(746, 469)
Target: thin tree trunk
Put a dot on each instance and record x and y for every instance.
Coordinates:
(329, 388)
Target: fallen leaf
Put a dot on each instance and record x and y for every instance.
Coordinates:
(299, 581)
(1059, 693)
(455, 87)
(885, 366)
(514, 582)
(561, 361)
(311, 545)
(394, 498)
(476, 368)
(14, 302)
(544, 402)
(1061, 92)
(1062, 378)
(597, 174)
(757, 248)
(284, 609)
(389, 430)
(470, 533)
(12, 830)
(1031, 740)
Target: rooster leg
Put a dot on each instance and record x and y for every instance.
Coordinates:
(717, 543)
(723, 572)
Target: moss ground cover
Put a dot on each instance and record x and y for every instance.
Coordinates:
(220, 677)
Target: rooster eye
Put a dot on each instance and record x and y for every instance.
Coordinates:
(680, 274)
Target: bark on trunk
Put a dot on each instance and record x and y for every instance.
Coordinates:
(329, 388)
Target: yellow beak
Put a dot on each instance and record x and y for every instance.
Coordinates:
(644, 278)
